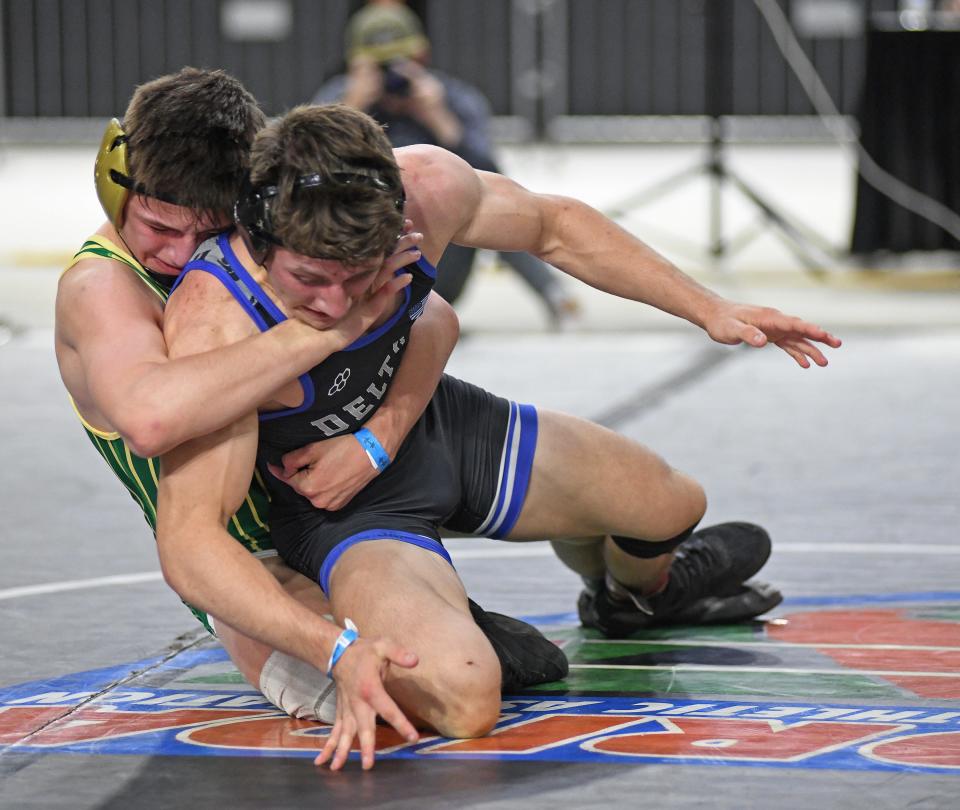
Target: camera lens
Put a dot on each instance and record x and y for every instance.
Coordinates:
(394, 82)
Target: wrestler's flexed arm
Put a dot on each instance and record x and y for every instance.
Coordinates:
(114, 361)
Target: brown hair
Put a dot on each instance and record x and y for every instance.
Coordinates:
(349, 222)
(189, 136)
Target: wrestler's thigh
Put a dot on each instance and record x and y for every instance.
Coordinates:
(301, 588)
(589, 481)
(414, 597)
(410, 595)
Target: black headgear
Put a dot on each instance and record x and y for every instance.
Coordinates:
(253, 208)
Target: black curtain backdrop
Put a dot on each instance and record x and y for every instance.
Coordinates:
(910, 124)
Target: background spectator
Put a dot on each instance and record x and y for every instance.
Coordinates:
(389, 77)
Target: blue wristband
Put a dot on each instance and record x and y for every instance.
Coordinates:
(374, 450)
(344, 640)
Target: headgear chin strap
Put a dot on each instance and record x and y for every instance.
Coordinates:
(253, 208)
(111, 175)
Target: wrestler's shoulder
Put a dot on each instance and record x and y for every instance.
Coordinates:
(103, 277)
(424, 158)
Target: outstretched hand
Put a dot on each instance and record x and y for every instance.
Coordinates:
(732, 323)
(361, 697)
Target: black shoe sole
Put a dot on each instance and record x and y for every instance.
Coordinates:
(751, 600)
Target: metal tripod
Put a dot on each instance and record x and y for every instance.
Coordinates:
(811, 250)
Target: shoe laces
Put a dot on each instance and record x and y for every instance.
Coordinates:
(692, 572)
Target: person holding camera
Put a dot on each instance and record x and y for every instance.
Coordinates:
(388, 76)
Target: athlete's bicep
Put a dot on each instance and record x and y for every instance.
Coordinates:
(107, 322)
(505, 216)
(460, 204)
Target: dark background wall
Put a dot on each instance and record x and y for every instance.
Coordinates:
(574, 57)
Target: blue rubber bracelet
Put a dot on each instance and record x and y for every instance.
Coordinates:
(344, 640)
(374, 450)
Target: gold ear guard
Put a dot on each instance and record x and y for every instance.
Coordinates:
(112, 157)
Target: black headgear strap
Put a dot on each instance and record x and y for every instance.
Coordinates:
(253, 207)
(139, 188)
(128, 182)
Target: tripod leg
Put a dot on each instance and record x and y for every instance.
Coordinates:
(800, 243)
(717, 246)
(658, 189)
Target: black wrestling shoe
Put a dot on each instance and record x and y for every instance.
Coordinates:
(527, 657)
(707, 585)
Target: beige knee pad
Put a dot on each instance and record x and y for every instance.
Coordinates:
(299, 689)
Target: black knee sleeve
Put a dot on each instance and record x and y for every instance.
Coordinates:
(647, 549)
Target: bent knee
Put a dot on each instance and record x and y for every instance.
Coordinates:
(473, 717)
(686, 503)
(470, 689)
(466, 725)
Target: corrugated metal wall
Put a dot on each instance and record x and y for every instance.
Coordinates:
(84, 57)
(533, 58)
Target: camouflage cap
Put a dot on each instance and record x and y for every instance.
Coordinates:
(384, 33)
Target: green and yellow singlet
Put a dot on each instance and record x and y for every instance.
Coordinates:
(140, 475)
